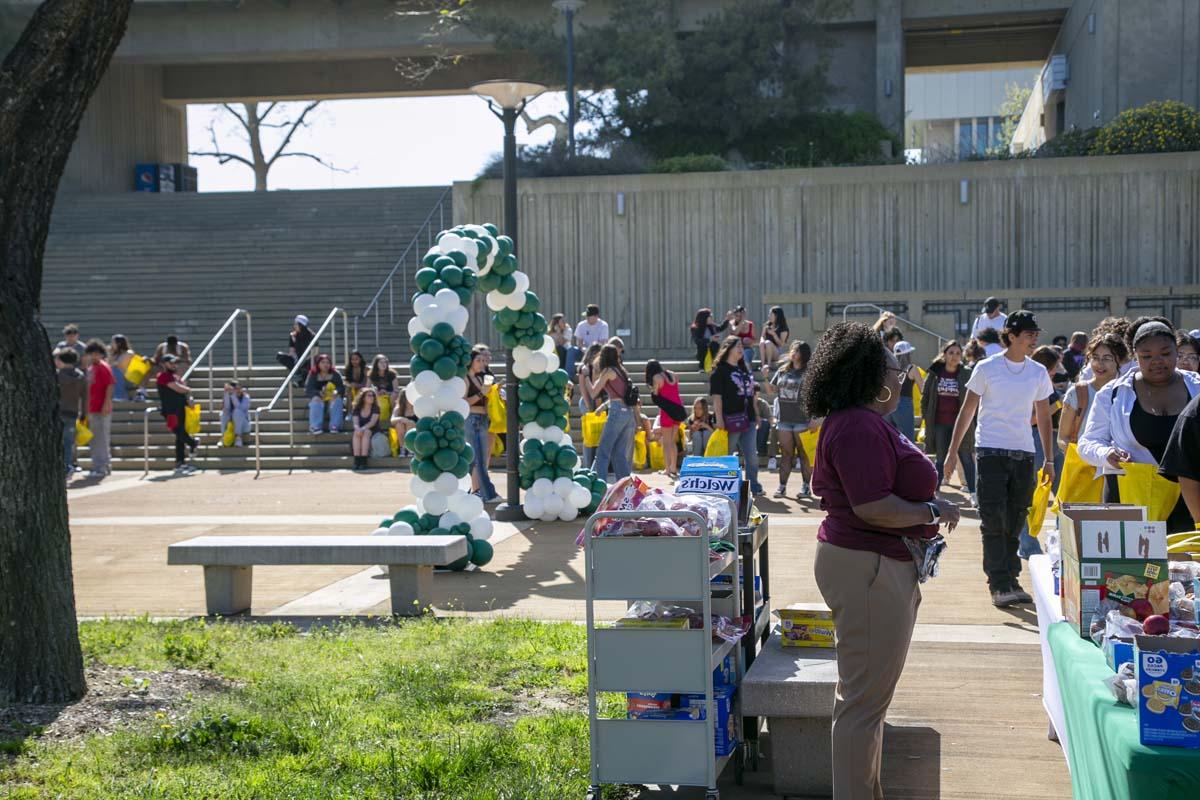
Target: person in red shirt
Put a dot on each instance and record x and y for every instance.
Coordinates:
(941, 398)
(101, 384)
(172, 404)
(877, 489)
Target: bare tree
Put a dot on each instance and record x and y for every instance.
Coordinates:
(46, 81)
(253, 118)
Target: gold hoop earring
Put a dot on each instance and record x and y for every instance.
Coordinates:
(885, 400)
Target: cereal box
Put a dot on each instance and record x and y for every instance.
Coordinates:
(710, 475)
(1111, 556)
(806, 625)
(1168, 674)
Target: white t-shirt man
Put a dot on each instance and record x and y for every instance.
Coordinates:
(588, 333)
(984, 321)
(1007, 393)
(993, 349)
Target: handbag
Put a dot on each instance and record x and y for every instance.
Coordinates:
(718, 444)
(672, 409)
(1141, 485)
(83, 434)
(737, 423)
(925, 554)
(191, 419)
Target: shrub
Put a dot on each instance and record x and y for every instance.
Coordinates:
(693, 162)
(1166, 126)
(1070, 143)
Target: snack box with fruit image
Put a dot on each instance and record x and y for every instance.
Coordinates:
(806, 625)
(1112, 556)
(1168, 675)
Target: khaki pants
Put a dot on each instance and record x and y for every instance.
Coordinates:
(874, 600)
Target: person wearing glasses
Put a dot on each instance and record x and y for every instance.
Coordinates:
(1189, 352)
(1104, 355)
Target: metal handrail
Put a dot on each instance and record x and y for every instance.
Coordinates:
(230, 321)
(439, 208)
(908, 322)
(287, 385)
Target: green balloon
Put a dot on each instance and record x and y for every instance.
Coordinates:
(464, 294)
(424, 444)
(534, 459)
(545, 402)
(527, 391)
(410, 440)
(419, 339)
(452, 275)
(532, 303)
(407, 515)
(439, 531)
(425, 277)
(546, 419)
(527, 411)
(559, 376)
(442, 261)
(437, 286)
(492, 230)
(544, 472)
(426, 470)
(467, 452)
(431, 350)
(443, 332)
(489, 282)
(445, 367)
(566, 459)
(453, 418)
(508, 317)
(510, 340)
(445, 459)
(429, 258)
(508, 284)
(462, 469)
(417, 365)
(460, 564)
(481, 552)
(459, 257)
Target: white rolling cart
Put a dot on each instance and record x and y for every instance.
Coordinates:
(673, 570)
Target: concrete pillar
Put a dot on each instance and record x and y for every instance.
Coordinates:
(227, 589)
(889, 65)
(412, 585)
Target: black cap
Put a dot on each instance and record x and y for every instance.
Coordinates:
(170, 359)
(1020, 322)
(593, 310)
(991, 304)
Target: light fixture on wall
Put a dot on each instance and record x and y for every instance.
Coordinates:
(964, 191)
(1091, 24)
(887, 87)
(620, 204)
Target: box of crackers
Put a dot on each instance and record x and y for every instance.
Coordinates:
(1168, 675)
(806, 625)
(1112, 555)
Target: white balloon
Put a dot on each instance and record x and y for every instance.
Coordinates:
(425, 406)
(427, 382)
(496, 301)
(521, 370)
(522, 353)
(458, 318)
(478, 230)
(542, 487)
(515, 300)
(449, 243)
(568, 513)
(434, 503)
(447, 299)
(471, 248)
(522, 282)
(422, 302)
(551, 362)
(533, 506)
(381, 531)
(470, 505)
(489, 262)
(538, 362)
(412, 392)
(547, 345)
(445, 483)
(429, 316)
(579, 497)
(552, 504)
(563, 486)
(448, 395)
(449, 519)
(481, 527)
(415, 327)
(459, 384)
(401, 529)
(464, 483)
(461, 407)
(419, 488)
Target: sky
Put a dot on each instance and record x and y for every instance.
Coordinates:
(411, 141)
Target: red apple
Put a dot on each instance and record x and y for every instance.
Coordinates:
(1142, 608)
(1156, 625)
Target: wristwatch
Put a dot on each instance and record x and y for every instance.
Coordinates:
(935, 513)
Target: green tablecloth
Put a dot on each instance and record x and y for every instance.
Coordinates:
(1107, 761)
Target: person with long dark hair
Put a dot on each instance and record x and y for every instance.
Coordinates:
(120, 354)
(787, 384)
(731, 389)
(365, 419)
(477, 424)
(326, 393)
(941, 398)
(704, 335)
(877, 489)
(616, 441)
(664, 391)
(775, 336)
(355, 374)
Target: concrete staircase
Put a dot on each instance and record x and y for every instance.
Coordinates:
(325, 451)
(147, 265)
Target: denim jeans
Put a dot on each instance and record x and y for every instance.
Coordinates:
(902, 418)
(700, 441)
(746, 443)
(316, 413)
(240, 420)
(98, 448)
(68, 442)
(748, 357)
(616, 442)
(573, 356)
(120, 390)
(477, 437)
(1005, 491)
(942, 434)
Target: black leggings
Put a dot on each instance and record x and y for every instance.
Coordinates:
(182, 443)
(705, 348)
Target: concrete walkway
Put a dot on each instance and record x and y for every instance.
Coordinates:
(967, 720)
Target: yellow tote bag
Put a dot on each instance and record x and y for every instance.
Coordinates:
(808, 440)
(497, 447)
(593, 426)
(658, 459)
(708, 359)
(137, 369)
(385, 407)
(639, 450)
(1079, 483)
(1141, 485)
(228, 436)
(1041, 501)
(718, 443)
(191, 419)
(393, 440)
(497, 410)
(83, 434)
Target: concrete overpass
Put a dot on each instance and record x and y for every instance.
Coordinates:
(178, 52)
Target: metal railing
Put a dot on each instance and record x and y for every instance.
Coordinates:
(908, 322)
(302, 359)
(412, 252)
(231, 324)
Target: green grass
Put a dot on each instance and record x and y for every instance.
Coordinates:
(420, 710)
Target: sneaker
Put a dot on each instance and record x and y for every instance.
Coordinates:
(493, 500)
(335, 430)
(1003, 598)
(771, 466)
(796, 466)
(805, 490)
(975, 500)
(237, 442)
(315, 431)
(1020, 594)
(96, 474)
(181, 469)
(781, 491)
(757, 491)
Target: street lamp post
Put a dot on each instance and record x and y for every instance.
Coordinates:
(569, 7)
(507, 99)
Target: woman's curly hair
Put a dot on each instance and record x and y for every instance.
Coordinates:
(846, 371)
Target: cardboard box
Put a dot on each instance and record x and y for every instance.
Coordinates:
(1110, 552)
(716, 475)
(1117, 652)
(1168, 674)
(806, 625)
(725, 735)
(637, 703)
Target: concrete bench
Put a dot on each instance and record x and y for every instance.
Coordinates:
(794, 689)
(229, 562)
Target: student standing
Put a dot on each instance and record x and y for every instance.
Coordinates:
(903, 417)
(70, 341)
(664, 391)
(72, 400)
(788, 387)
(1181, 459)
(990, 316)
(1005, 390)
(172, 404)
(731, 389)
(616, 441)
(1104, 356)
(941, 399)
(477, 425)
(101, 384)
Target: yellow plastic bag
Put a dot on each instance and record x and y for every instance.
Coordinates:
(593, 426)
(393, 440)
(657, 458)
(191, 419)
(83, 434)
(917, 394)
(228, 436)
(137, 370)
(329, 392)
(1041, 501)
(1141, 485)
(708, 359)
(497, 446)
(639, 450)
(808, 440)
(1078, 483)
(718, 443)
(497, 410)
(385, 407)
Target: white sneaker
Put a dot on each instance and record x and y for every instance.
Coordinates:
(780, 492)
(805, 490)
(772, 464)
(974, 499)
(237, 442)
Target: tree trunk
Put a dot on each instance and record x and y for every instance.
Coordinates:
(45, 84)
(254, 131)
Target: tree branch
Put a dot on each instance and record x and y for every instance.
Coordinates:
(223, 157)
(245, 121)
(315, 158)
(287, 139)
(560, 127)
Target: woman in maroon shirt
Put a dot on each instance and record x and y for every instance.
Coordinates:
(876, 487)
